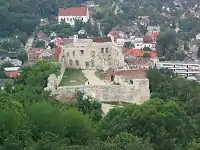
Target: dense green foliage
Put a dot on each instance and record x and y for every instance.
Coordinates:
(22, 16)
(31, 120)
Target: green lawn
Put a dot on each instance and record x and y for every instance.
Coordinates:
(73, 77)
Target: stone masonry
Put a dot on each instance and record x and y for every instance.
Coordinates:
(138, 92)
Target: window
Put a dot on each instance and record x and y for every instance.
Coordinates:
(70, 19)
(77, 62)
(92, 63)
(87, 64)
(73, 53)
(67, 19)
(92, 53)
(67, 54)
(82, 52)
(70, 62)
(102, 50)
(106, 50)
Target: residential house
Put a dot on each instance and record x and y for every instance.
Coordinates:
(34, 54)
(12, 72)
(153, 29)
(193, 46)
(181, 68)
(94, 53)
(152, 55)
(70, 15)
(143, 20)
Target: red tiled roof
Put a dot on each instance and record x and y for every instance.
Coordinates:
(57, 53)
(13, 74)
(34, 53)
(139, 53)
(151, 37)
(74, 11)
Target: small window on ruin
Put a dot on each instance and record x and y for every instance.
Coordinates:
(77, 62)
(106, 50)
(92, 53)
(73, 53)
(87, 64)
(131, 81)
(67, 54)
(102, 50)
(70, 62)
(92, 63)
(82, 52)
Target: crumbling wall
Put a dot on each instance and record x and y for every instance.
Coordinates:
(138, 92)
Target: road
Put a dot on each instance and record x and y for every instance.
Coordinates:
(29, 43)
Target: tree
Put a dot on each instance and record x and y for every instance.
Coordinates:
(147, 49)
(146, 55)
(129, 45)
(39, 44)
(167, 44)
(156, 117)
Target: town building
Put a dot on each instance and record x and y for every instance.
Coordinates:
(12, 72)
(70, 15)
(181, 68)
(95, 53)
(151, 55)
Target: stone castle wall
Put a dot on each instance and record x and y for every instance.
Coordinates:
(137, 93)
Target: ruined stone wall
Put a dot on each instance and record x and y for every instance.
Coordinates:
(135, 93)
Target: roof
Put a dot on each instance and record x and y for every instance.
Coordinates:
(34, 53)
(139, 53)
(101, 39)
(73, 11)
(57, 53)
(11, 69)
(195, 42)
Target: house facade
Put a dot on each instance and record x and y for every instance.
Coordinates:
(70, 15)
(96, 53)
(181, 68)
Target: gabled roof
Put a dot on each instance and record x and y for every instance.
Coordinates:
(73, 11)
(139, 53)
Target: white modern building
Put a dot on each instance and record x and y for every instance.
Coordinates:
(181, 68)
(70, 15)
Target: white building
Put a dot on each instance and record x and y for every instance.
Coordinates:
(181, 68)
(69, 15)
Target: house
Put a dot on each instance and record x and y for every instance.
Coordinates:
(12, 72)
(181, 68)
(34, 54)
(16, 62)
(70, 15)
(143, 20)
(198, 36)
(93, 53)
(153, 29)
(140, 53)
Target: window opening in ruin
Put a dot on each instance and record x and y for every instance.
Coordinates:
(92, 63)
(106, 50)
(82, 52)
(131, 81)
(102, 50)
(73, 53)
(67, 54)
(71, 62)
(112, 78)
(87, 64)
(77, 62)
(92, 53)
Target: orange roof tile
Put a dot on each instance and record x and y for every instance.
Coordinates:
(139, 53)
(74, 11)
